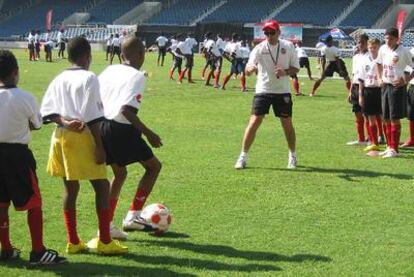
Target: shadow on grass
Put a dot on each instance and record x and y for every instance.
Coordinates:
(343, 173)
(171, 235)
(231, 252)
(199, 264)
(94, 269)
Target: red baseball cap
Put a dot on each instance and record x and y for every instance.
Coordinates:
(271, 24)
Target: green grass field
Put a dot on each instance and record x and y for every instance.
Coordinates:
(340, 213)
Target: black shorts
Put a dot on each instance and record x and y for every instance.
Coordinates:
(282, 104)
(394, 102)
(108, 49)
(18, 180)
(189, 61)
(356, 108)
(162, 50)
(304, 62)
(410, 103)
(215, 62)
(116, 50)
(237, 66)
(62, 46)
(333, 67)
(123, 143)
(37, 47)
(372, 99)
(30, 46)
(178, 61)
(47, 48)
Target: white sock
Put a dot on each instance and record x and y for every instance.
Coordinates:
(292, 154)
(130, 215)
(243, 154)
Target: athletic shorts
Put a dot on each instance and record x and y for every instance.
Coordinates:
(30, 46)
(372, 98)
(123, 143)
(410, 103)
(333, 67)
(18, 180)
(178, 61)
(47, 48)
(356, 108)
(215, 62)
(394, 102)
(37, 47)
(116, 50)
(304, 62)
(108, 49)
(62, 46)
(281, 103)
(162, 50)
(189, 61)
(72, 155)
(236, 66)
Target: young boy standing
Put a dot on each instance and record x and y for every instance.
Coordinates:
(73, 102)
(19, 114)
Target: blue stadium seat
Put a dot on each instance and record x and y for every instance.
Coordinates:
(366, 13)
(111, 10)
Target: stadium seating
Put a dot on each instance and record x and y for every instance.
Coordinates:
(110, 10)
(10, 5)
(182, 13)
(315, 12)
(92, 34)
(366, 13)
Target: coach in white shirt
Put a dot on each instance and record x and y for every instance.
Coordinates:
(274, 60)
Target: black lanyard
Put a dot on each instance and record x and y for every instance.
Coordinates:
(277, 53)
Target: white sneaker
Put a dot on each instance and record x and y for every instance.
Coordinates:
(116, 233)
(292, 162)
(356, 143)
(136, 223)
(384, 152)
(391, 154)
(241, 162)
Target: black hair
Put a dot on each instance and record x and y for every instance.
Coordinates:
(8, 64)
(329, 38)
(209, 34)
(77, 47)
(392, 32)
(235, 36)
(117, 35)
(363, 37)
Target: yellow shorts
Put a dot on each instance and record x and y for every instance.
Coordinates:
(72, 155)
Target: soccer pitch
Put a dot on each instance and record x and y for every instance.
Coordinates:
(340, 213)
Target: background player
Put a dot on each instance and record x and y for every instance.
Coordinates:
(162, 48)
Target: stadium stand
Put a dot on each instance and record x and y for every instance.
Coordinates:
(248, 11)
(10, 5)
(315, 12)
(110, 10)
(182, 12)
(366, 13)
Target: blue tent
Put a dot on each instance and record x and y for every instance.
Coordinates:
(337, 34)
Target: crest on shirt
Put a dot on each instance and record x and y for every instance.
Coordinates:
(283, 50)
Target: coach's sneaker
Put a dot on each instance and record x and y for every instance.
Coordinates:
(79, 248)
(391, 154)
(241, 162)
(356, 143)
(12, 254)
(371, 147)
(134, 222)
(112, 248)
(46, 257)
(292, 163)
(116, 233)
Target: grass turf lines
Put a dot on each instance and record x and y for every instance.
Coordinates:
(339, 214)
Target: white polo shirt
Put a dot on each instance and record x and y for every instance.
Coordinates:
(394, 62)
(330, 53)
(73, 94)
(357, 60)
(116, 42)
(210, 45)
(17, 109)
(267, 82)
(220, 44)
(121, 85)
(162, 41)
(368, 72)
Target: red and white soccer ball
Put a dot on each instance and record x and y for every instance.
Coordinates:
(158, 216)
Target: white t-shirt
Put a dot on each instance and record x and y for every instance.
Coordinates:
(191, 42)
(267, 82)
(301, 52)
(357, 59)
(411, 69)
(245, 52)
(17, 109)
(121, 85)
(320, 45)
(184, 48)
(108, 41)
(162, 41)
(394, 62)
(121, 39)
(210, 45)
(30, 39)
(116, 42)
(220, 44)
(233, 48)
(368, 71)
(73, 94)
(36, 38)
(60, 37)
(330, 53)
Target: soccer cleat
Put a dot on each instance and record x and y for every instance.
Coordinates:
(292, 163)
(81, 247)
(241, 162)
(371, 147)
(137, 223)
(356, 143)
(391, 154)
(384, 152)
(12, 254)
(46, 257)
(112, 248)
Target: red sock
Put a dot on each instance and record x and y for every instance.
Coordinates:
(243, 82)
(226, 80)
(360, 127)
(112, 206)
(104, 222)
(379, 125)
(210, 74)
(217, 78)
(69, 217)
(411, 139)
(374, 133)
(348, 85)
(395, 135)
(189, 75)
(4, 233)
(35, 221)
(295, 84)
(181, 77)
(388, 134)
(368, 129)
(139, 200)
